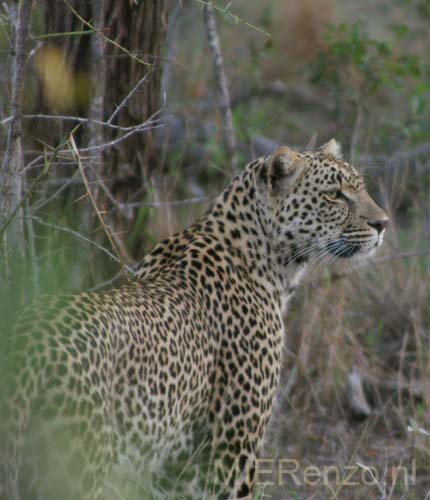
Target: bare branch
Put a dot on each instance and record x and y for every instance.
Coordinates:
(39, 161)
(150, 124)
(237, 19)
(127, 98)
(105, 38)
(80, 119)
(83, 238)
(12, 165)
(64, 185)
(93, 201)
(106, 283)
(12, 216)
(221, 84)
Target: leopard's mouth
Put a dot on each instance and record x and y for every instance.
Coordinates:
(344, 249)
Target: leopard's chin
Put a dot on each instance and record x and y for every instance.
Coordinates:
(372, 246)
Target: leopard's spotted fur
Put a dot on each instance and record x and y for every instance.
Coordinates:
(186, 358)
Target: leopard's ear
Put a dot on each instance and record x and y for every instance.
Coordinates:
(285, 164)
(332, 147)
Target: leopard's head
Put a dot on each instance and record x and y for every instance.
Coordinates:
(320, 207)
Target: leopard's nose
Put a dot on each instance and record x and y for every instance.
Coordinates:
(379, 225)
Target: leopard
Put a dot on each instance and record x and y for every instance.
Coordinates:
(175, 372)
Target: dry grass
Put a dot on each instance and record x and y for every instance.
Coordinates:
(374, 322)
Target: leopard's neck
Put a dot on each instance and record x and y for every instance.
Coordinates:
(240, 218)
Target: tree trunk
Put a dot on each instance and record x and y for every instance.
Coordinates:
(12, 166)
(136, 32)
(139, 27)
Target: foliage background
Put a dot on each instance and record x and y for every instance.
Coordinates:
(152, 155)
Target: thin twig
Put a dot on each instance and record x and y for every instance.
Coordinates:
(106, 283)
(150, 124)
(237, 19)
(79, 119)
(27, 193)
(64, 185)
(107, 39)
(83, 238)
(221, 85)
(93, 201)
(126, 99)
(63, 34)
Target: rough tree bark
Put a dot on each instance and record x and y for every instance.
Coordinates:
(140, 28)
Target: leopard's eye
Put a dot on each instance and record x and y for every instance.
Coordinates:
(333, 195)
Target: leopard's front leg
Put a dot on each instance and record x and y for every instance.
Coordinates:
(239, 416)
(232, 470)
